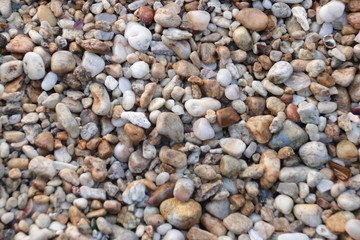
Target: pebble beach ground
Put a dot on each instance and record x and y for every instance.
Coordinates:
(174, 120)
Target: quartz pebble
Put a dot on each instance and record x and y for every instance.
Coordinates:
(34, 66)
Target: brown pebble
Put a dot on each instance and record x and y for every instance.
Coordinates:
(45, 140)
(163, 192)
(146, 15)
(292, 114)
(226, 117)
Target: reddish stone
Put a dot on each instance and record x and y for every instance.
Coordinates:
(226, 117)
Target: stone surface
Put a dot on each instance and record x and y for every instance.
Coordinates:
(252, 18)
(237, 223)
(314, 154)
(259, 128)
(309, 214)
(182, 215)
(170, 125)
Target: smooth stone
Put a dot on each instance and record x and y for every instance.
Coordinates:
(139, 69)
(280, 72)
(293, 236)
(93, 63)
(237, 223)
(290, 135)
(199, 19)
(11, 70)
(167, 17)
(309, 214)
(258, 126)
(284, 204)
(203, 130)
(20, 44)
(183, 189)
(182, 215)
(45, 14)
(62, 62)
(331, 11)
(185, 69)
(49, 81)
(34, 66)
(298, 81)
(42, 166)
(139, 37)
(281, 10)
(171, 126)
(314, 154)
(233, 146)
(252, 19)
(348, 201)
(198, 107)
(352, 227)
(66, 119)
(242, 39)
(101, 105)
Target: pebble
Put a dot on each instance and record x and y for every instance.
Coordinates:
(242, 39)
(352, 228)
(49, 81)
(62, 62)
(185, 69)
(252, 19)
(33, 66)
(184, 189)
(42, 166)
(174, 234)
(348, 201)
(280, 72)
(10, 70)
(284, 204)
(45, 14)
(281, 10)
(139, 69)
(331, 11)
(67, 120)
(258, 126)
(138, 36)
(198, 107)
(309, 214)
(199, 19)
(224, 77)
(233, 146)
(237, 223)
(314, 154)
(290, 135)
(182, 215)
(171, 126)
(101, 104)
(293, 236)
(203, 130)
(298, 81)
(20, 44)
(92, 63)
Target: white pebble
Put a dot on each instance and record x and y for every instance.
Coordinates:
(203, 130)
(111, 83)
(224, 77)
(139, 69)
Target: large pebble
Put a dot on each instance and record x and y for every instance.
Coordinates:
(199, 19)
(259, 127)
(252, 18)
(93, 63)
(42, 166)
(49, 81)
(203, 130)
(45, 14)
(182, 215)
(183, 190)
(290, 135)
(237, 223)
(66, 119)
(11, 70)
(167, 17)
(101, 104)
(185, 69)
(139, 37)
(242, 39)
(349, 201)
(314, 154)
(352, 227)
(280, 72)
(171, 126)
(198, 107)
(233, 146)
(62, 62)
(20, 44)
(331, 11)
(139, 69)
(34, 66)
(309, 214)
(271, 164)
